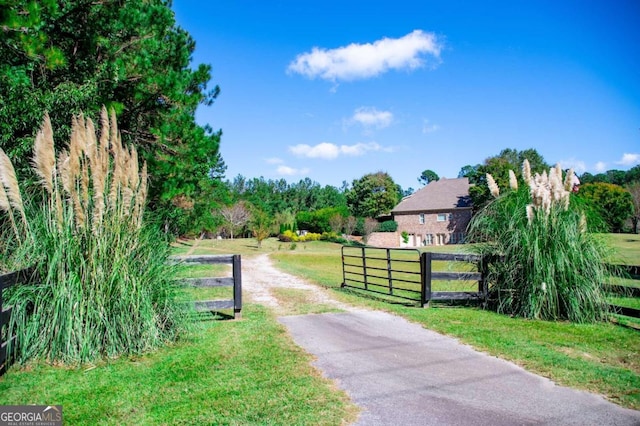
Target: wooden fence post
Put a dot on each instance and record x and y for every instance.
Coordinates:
(364, 270)
(389, 277)
(483, 285)
(237, 287)
(425, 269)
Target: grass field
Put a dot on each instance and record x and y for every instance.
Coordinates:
(250, 372)
(626, 248)
(223, 372)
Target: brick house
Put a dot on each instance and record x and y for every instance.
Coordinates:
(434, 215)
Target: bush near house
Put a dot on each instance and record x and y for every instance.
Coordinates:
(388, 226)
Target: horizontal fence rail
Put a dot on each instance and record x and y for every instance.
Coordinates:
(234, 281)
(630, 272)
(7, 342)
(430, 276)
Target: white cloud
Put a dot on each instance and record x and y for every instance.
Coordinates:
(629, 159)
(290, 171)
(601, 166)
(329, 151)
(371, 117)
(359, 61)
(274, 160)
(322, 150)
(429, 128)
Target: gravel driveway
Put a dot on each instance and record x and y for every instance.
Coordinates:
(402, 374)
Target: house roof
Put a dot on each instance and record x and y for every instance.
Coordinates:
(444, 194)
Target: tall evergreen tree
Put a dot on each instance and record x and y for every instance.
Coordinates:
(68, 56)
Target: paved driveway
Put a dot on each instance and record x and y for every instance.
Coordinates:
(403, 374)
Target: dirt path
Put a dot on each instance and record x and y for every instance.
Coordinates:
(261, 282)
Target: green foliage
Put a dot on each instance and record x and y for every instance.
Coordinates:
(613, 203)
(498, 166)
(279, 197)
(388, 226)
(290, 236)
(319, 220)
(428, 176)
(98, 297)
(67, 56)
(405, 237)
(634, 190)
(549, 266)
(372, 195)
(261, 225)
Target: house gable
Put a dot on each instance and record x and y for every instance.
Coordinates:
(442, 195)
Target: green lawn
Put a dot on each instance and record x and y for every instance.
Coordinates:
(626, 248)
(222, 372)
(250, 372)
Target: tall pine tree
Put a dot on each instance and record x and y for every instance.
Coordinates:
(72, 56)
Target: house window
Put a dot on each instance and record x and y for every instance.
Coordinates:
(428, 239)
(421, 219)
(456, 238)
(442, 238)
(442, 217)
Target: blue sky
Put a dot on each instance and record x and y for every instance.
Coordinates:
(334, 90)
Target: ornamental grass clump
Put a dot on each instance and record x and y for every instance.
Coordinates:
(549, 266)
(104, 287)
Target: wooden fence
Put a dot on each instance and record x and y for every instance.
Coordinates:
(430, 276)
(410, 275)
(630, 272)
(234, 281)
(23, 276)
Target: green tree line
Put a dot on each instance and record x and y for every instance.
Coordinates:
(66, 57)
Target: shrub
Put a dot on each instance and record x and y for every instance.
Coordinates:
(550, 267)
(405, 236)
(288, 236)
(388, 226)
(105, 287)
(320, 220)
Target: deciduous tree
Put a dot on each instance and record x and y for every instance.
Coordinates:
(498, 166)
(634, 190)
(235, 216)
(372, 195)
(613, 202)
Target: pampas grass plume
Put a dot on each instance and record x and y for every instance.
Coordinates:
(10, 182)
(526, 171)
(513, 181)
(493, 186)
(44, 156)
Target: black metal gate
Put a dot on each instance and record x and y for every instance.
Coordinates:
(413, 275)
